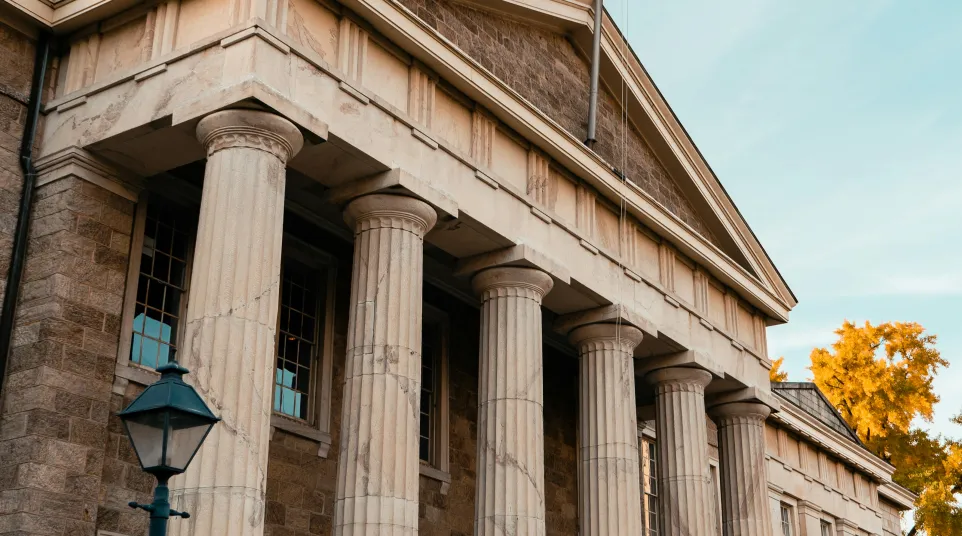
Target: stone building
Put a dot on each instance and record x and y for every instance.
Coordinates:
(372, 231)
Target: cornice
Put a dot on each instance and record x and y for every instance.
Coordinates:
(831, 441)
(403, 27)
(677, 143)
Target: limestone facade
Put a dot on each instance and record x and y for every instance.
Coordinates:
(418, 301)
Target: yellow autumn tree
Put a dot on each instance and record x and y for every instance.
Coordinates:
(776, 374)
(880, 379)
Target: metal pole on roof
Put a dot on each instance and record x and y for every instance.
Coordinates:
(595, 65)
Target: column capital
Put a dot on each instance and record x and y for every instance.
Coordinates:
(607, 334)
(528, 281)
(253, 129)
(679, 376)
(380, 211)
(753, 410)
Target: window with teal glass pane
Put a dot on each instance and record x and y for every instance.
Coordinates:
(297, 340)
(161, 284)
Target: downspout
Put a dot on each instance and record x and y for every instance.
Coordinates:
(595, 65)
(19, 250)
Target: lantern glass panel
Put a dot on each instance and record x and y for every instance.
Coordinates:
(187, 432)
(146, 432)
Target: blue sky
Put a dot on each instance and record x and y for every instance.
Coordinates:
(836, 127)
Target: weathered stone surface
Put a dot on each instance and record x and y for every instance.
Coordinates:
(545, 69)
(610, 496)
(231, 322)
(53, 431)
(744, 479)
(377, 486)
(685, 494)
(511, 492)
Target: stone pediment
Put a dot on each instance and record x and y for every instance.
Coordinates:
(541, 48)
(807, 397)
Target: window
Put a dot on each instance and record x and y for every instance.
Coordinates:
(305, 343)
(650, 485)
(166, 233)
(826, 528)
(433, 444)
(299, 330)
(786, 520)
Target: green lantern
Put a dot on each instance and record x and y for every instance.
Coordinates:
(166, 425)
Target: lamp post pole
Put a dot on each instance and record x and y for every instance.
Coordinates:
(160, 510)
(166, 425)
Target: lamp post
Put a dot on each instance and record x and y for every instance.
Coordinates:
(166, 425)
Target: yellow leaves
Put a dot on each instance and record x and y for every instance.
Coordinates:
(880, 379)
(776, 374)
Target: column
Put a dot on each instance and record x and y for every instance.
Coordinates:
(744, 478)
(510, 482)
(684, 484)
(610, 498)
(377, 468)
(230, 330)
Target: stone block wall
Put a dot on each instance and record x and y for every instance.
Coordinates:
(57, 394)
(16, 71)
(548, 71)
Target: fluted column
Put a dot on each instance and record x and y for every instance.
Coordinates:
(377, 469)
(744, 479)
(232, 317)
(610, 495)
(684, 485)
(510, 484)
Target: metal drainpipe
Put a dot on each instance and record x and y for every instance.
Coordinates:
(19, 250)
(595, 65)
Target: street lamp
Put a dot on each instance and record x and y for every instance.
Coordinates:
(166, 424)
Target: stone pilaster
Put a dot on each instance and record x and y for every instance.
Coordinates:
(57, 393)
(510, 482)
(230, 330)
(744, 479)
(610, 495)
(809, 519)
(378, 467)
(684, 484)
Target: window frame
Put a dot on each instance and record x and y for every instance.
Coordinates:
(786, 507)
(823, 524)
(646, 441)
(126, 369)
(714, 474)
(317, 427)
(438, 468)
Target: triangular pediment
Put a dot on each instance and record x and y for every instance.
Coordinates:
(807, 397)
(541, 51)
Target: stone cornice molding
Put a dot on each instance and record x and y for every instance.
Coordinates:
(385, 211)
(527, 283)
(416, 37)
(79, 163)
(832, 442)
(251, 129)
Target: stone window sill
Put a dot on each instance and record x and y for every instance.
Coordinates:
(136, 373)
(302, 430)
(434, 473)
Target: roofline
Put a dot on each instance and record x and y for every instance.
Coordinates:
(691, 141)
(797, 419)
(829, 402)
